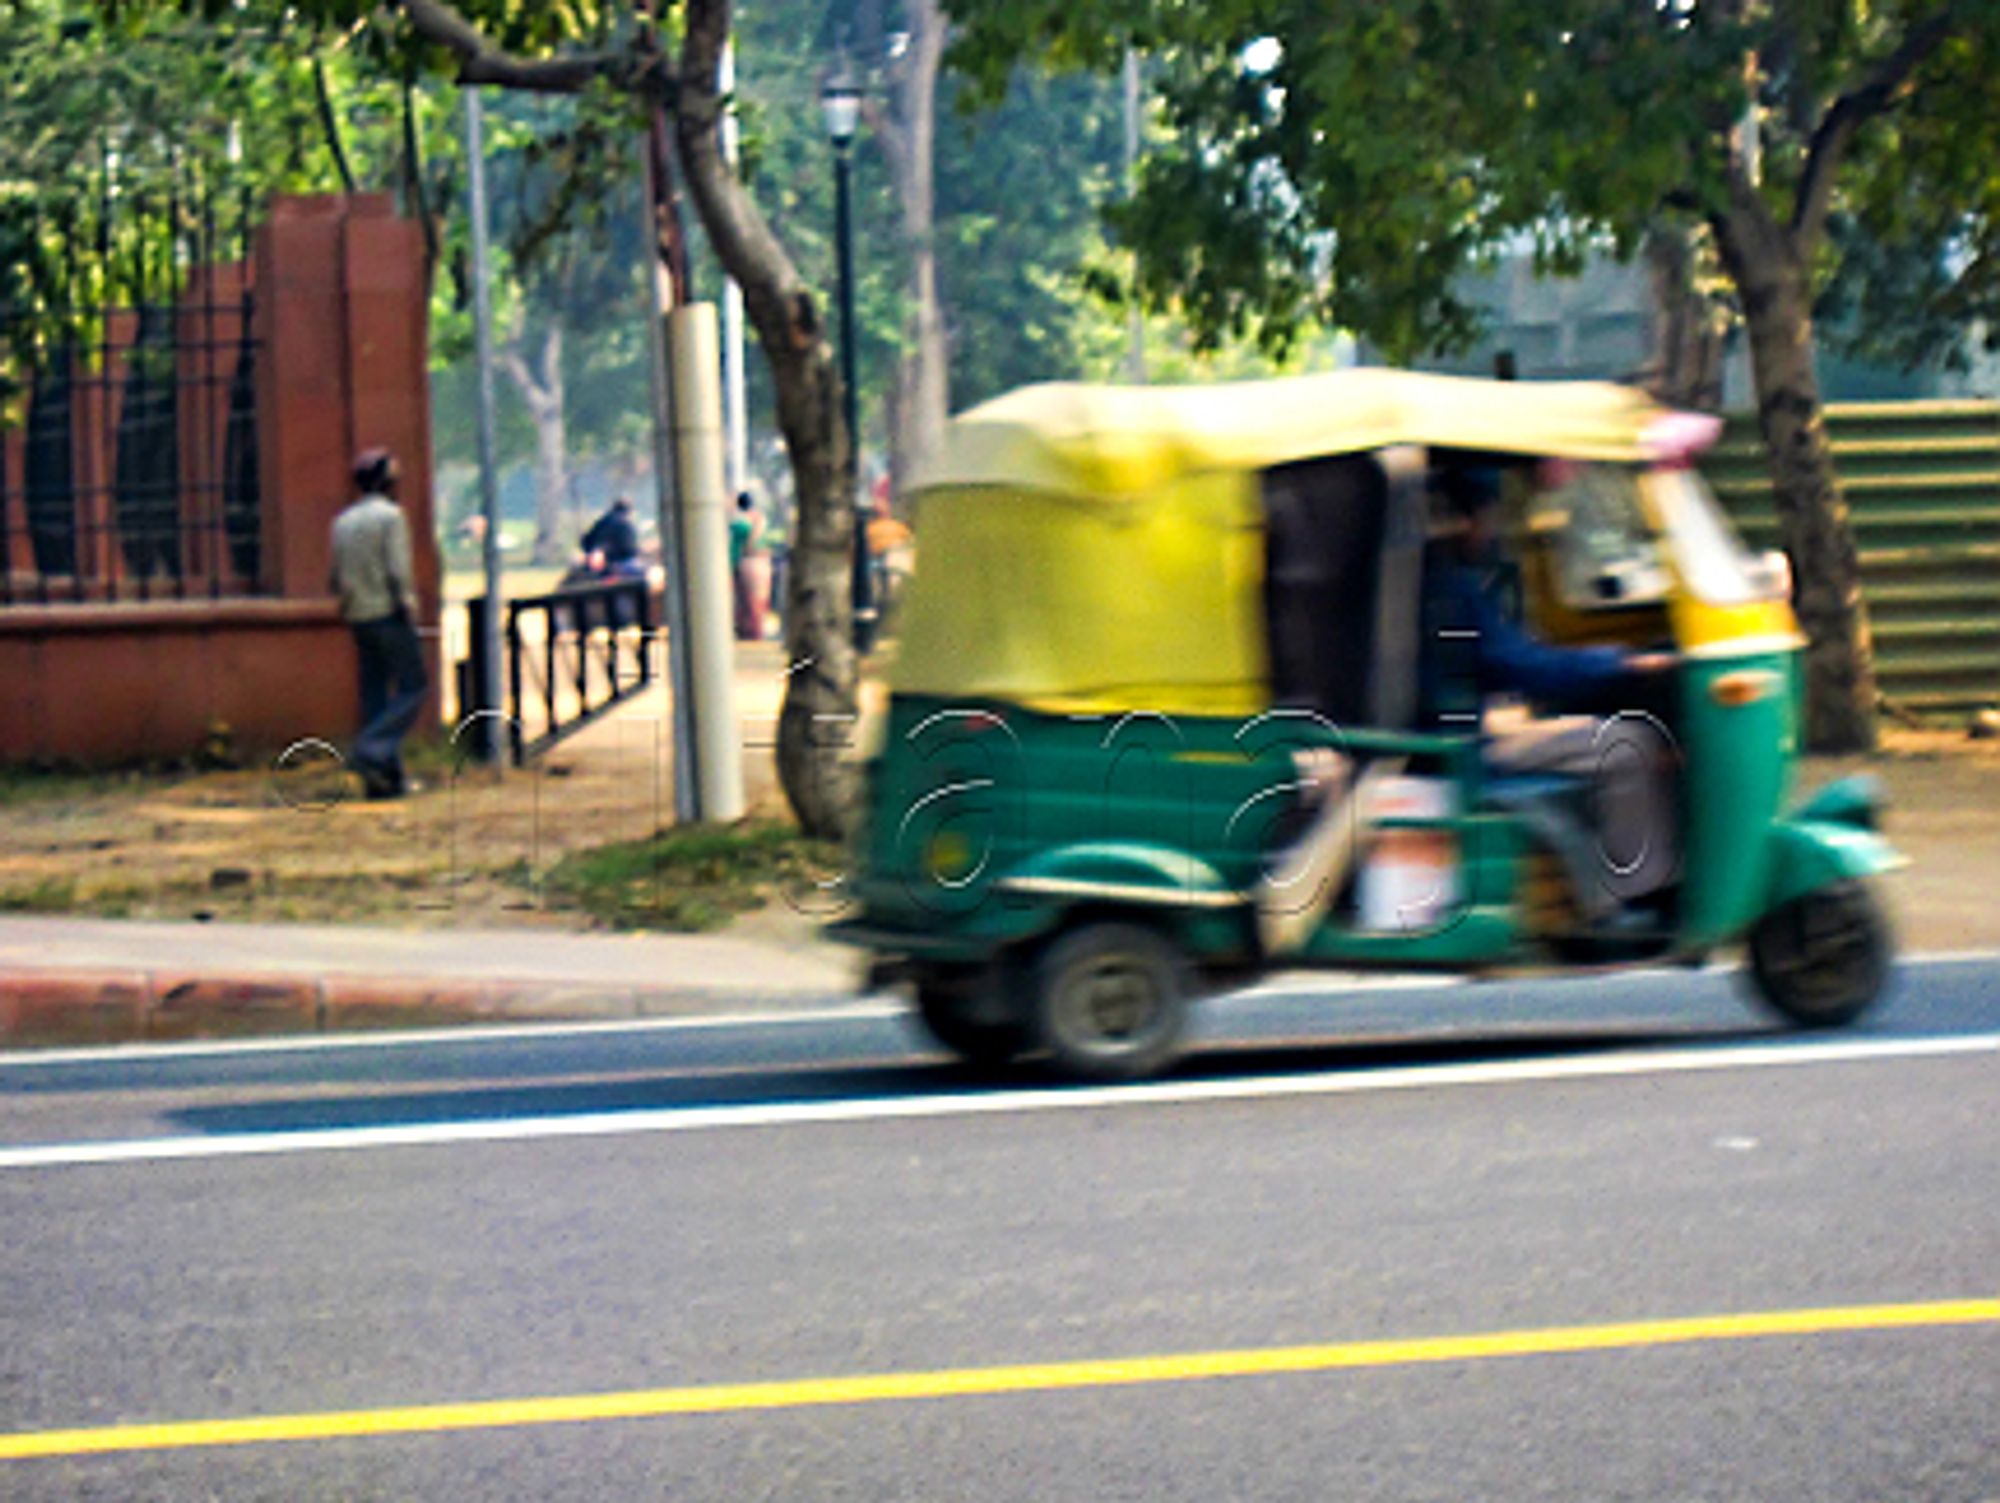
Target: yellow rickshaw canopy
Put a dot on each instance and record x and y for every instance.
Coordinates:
(1084, 440)
(1100, 549)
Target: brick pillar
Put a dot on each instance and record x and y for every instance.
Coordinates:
(342, 364)
(342, 318)
(302, 420)
(387, 293)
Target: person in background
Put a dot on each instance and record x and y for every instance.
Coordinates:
(372, 576)
(889, 550)
(746, 569)
(611, 547)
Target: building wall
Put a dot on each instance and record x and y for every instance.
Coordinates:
(341, 317)
(108, 684)
(1599, 327)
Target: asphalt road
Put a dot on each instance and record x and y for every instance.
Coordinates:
(1612, 1238)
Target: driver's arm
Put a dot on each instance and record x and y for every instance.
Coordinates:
(1511, 660)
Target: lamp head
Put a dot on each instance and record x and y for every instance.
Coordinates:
(840, 102)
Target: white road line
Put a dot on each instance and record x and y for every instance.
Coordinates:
(988, 1103)
(471, 1033)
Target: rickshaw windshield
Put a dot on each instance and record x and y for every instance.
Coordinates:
(1711, 558)
(1605, 551)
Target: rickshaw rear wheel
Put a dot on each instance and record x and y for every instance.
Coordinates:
(969, 1015)
(1823, 958)
(1111, 1001)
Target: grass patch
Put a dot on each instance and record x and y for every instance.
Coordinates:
(691, 878)
(49, 895)
(24, 785)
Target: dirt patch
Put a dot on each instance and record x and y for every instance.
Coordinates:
(1944, 814)
(299, 844)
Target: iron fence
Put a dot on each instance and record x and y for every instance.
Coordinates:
(571, 656)
(131, 471)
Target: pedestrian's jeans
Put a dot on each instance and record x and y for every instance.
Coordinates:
(393, 686)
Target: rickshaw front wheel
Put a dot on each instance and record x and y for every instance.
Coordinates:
(1111, 1001)
(958, 1015)
(1823, 957)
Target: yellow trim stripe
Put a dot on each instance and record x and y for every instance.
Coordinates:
(975, 1381)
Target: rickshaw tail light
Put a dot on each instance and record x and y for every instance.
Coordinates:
(1744, 688)
(1674, 439)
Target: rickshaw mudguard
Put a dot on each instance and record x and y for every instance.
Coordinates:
(1856, 801)
(1120, 871)
(1810, 854)
(1037, 896)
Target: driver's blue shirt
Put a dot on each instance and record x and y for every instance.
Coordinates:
(1471, 649)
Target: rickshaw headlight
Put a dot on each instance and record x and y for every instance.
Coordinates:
(948, 857)
(1744, 687)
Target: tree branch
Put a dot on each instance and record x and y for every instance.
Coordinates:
(888, 135)
(774, 294)
(1847, 114)
(480, 62)
(508, 358)
(329, 120)
(552, 345)
(413, 170)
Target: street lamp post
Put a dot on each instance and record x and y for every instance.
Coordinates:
(840, 100)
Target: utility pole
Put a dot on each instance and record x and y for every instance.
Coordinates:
(494, 738)
(662, 296)
(1135, 319)
(694, 523)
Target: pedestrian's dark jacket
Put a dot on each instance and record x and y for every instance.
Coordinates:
(614, 535)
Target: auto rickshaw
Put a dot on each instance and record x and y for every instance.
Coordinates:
(1145, 616)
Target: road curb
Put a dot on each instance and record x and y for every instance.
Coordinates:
(112, 1006)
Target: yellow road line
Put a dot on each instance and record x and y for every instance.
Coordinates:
(966, 1382)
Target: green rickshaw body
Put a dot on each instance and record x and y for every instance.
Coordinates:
(1084, 724)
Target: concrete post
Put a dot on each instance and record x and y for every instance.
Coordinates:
(694, 342)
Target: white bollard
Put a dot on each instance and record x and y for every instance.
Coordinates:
(694, 346)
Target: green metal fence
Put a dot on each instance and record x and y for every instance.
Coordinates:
(1922, 481)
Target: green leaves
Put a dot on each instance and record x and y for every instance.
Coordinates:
(1396, 141)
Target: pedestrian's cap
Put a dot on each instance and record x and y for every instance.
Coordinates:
(375, 469)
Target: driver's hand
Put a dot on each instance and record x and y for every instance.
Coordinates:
(1322, 771)
(1653, 662)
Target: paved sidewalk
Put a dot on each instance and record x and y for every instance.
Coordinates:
(67, 980)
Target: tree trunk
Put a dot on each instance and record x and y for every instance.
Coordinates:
(1774, 284)
(544, 398)
(818, 718)
(923, 375)
(1686, 365)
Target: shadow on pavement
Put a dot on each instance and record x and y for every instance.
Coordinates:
(655, 1090)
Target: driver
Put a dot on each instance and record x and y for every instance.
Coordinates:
(1473, 649)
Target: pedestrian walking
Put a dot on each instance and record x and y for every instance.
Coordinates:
(747, 570)
(373, 577)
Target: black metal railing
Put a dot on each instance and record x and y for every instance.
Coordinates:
(133, 473)
(571, 656)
